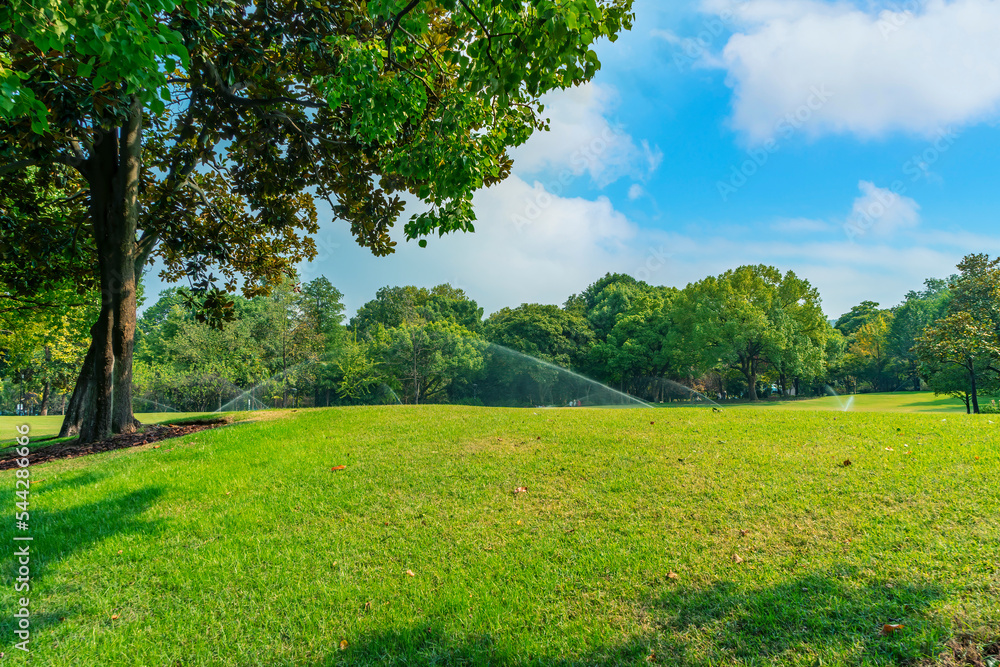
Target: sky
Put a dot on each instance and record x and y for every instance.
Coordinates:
(854, 143)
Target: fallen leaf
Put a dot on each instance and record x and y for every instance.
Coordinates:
(156, 446)
(368, 606)
(673, 575)
(343, 644)
(889, 449)
(409, 573)
(847, 462)
(744, 532)
(737, 559)
(114, 616)
(651, 423)
(338, 468)
(120, 550)
(538, 437)
(521, 489)
(519, 522)
(890, 628)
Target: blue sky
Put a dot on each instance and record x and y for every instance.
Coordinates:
(854, 143)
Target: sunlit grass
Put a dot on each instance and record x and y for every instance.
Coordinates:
(240, 546)
(42, 427)
(912, 401)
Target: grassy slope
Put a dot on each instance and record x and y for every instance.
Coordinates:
(239, 546)
(923, 401)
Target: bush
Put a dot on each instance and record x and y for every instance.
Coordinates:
(990, 408)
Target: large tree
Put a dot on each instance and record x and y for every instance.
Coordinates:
(202, 131)
(753, 318)
(968, 337)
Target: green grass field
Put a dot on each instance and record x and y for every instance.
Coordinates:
(43, 427)
(240, 546)
(923, 401)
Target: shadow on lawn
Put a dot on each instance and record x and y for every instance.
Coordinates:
(809, 618)
(66, 532)
(431, 645)
(816, 614)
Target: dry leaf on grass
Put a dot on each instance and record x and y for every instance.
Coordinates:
(673, 575)
(334, 468)
(890, 628)
(737, 559)
(409, 573)
(521, 489)
(343, 644)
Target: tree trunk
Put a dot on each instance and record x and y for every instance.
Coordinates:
(74, 410)
(102, 400)
(96, 412)
(43, 409)
(974, 393)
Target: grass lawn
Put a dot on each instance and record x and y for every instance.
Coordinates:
(733, 538)
(911, 401)
(42, 427)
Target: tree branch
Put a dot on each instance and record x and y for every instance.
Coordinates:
(20, 164)
(395, 24)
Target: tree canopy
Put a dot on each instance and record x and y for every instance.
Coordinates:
(203, 132)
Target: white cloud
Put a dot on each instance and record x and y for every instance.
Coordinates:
(635, 192)
(582, 140)
(531, 245)
(884, 71)
(881, 212)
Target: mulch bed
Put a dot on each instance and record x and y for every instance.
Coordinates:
(72, 448)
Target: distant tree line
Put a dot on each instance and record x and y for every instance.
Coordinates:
(748, 334)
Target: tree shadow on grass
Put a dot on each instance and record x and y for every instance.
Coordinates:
(813, 619)
(67, 532)
(432, 645)
(833, 618)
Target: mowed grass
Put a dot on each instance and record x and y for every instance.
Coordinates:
(915, 401)
(240, 546)
(42, 427)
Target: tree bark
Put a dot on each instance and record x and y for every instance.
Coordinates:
(43, 408)
(74, 410)
(102, 400)
(972, 383)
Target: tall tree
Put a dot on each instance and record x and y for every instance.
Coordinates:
(969, 335)
(909, 321)
(752, 318)
(202, 132)
(426, 357)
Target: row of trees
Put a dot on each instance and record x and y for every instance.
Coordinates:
(747, 333)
